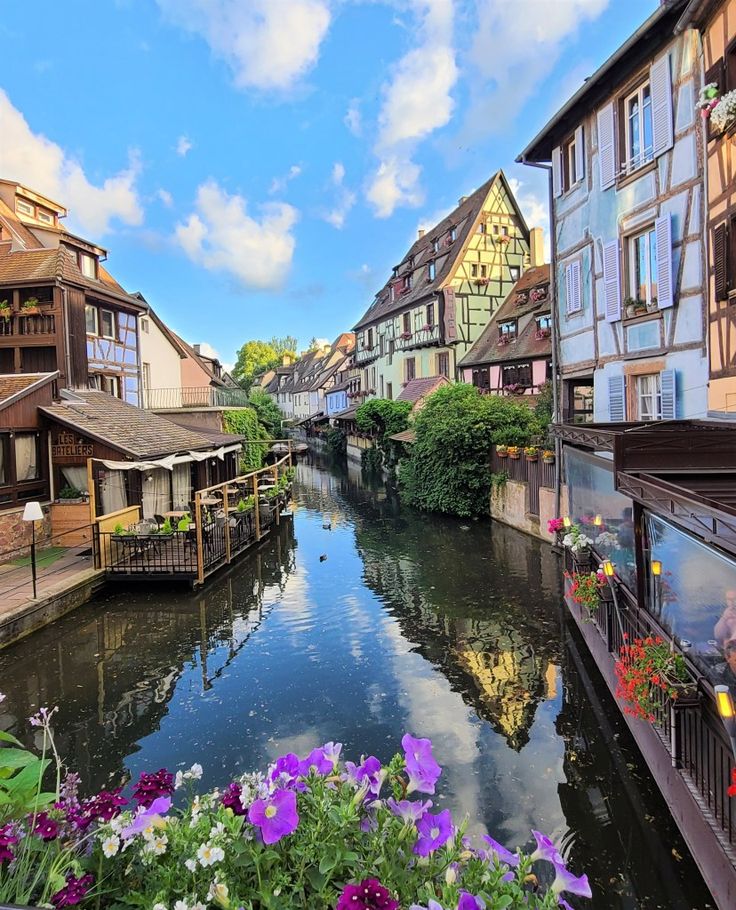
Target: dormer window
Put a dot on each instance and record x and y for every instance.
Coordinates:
(436, 245)
(25, 208)
(88, 265)
(45, 217)
(431, 270)
(453, 233)
(507, 331)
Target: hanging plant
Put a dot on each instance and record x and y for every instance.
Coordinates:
(585, 589)
(647, 668)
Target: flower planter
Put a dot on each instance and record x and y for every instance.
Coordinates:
(548, 459)
(582, 561)
(502, 454)
(514, 455)
(532, 457)
(30, 311)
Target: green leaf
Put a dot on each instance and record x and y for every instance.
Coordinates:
(15, 758)
(9, 738)
(316, 880)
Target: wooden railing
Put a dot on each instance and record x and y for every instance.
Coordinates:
(534, 473)
(194, 397)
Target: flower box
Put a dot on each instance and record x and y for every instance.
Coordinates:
(533, 457)
(548, 457)
(516, 455)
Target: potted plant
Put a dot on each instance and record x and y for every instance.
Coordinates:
(648, 669)
(69, 493)
(579, 545)
(548, 456)
(30, 306)
(585, 590)
(531, 453)
(4, 309)
(514, 452)
(502, 451)
(184, 522)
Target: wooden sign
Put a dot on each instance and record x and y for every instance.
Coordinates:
(450, 314)
(67, 447)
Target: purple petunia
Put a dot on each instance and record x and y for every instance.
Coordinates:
(103, 807)
(284, 772)
(231, 799)
(332, 752)
(8, 839)
(146, 817)
(73, 892)
(561, 902)
(566, 881)
(546, 849)
(368, 774)
(370, 894)
(152, 786)
(407, 810)
(434, 831)
(276, 816)
(46, 828)
(499, 852)
(470, 902)
(431, 905)
(316, 761)
(421, 767)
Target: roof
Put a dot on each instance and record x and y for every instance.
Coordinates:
(416, 389)
(519, 303)
(347, 414)
(696, 13)
(134, 431)
(15, 226)
(463, 218)
(14, 386)
(408, 436)
(637, 49)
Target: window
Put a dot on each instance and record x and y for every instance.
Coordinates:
(145, 325)
(515, 272)
(410, 369)
(90, 319)
(495, 229)
(430, 314)
(408, 281)
(643, 267)
(25, 208)
(88, 265)
(507, 330)
(436, 245)
(649, 397)
(644, 335)
(724, 259)
(580, 401)
(107, 324)
(638, 135)
(27, 465)
(504, 231)
(482, 379)
(519, 374)
(4, 458)
(369, 342)
(482, 227)
(483, 271)
(544, 323)
(146, 375)
(569, 173)
(389, 390)
(453, 233)
(431, 270)
(406, 323)
(46, 217)
(443, 364)
(474, 270)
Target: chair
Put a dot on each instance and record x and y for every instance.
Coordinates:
(159, 519)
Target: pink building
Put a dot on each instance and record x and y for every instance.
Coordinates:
(513, 355)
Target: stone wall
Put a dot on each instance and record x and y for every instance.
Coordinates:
(15, 534)
(510, 502)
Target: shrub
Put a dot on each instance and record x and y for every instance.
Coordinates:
(382, 417)
(447, 469)
(69, 492)
(269, 413)
(336, 440)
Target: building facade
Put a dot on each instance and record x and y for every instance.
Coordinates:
(441, 295)
(628, 218)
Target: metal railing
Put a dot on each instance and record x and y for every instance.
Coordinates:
(194, 397)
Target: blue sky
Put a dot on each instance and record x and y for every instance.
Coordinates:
(255, 167)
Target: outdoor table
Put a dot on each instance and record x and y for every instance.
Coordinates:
(210, 501)
(176, 513)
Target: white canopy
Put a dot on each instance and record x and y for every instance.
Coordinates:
(170, 460)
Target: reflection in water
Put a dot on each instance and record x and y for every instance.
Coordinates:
(411, 623)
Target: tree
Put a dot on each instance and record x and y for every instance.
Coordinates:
(448, 467)
(269, 414)
(253, 358)
(286, 345)
(382, 418)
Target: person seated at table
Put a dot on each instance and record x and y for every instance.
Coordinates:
(725, 628)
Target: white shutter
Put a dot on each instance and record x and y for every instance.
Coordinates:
(663, 243)
(668, 388)
(579, 154)
(573, 298)
(616, 398)
(606, 146)
(661, 88)
(611, 281)
(557, 171)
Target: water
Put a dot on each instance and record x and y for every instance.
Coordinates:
(448, 630)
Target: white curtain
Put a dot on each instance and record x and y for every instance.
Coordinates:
(112, 492)
(2, 460)
(76, 477)
(156, 486)
(181, 481)
(26, 466)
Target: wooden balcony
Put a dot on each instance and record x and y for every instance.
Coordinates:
(420, 338)
(40, 325)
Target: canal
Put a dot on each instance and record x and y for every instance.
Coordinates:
(359, 621)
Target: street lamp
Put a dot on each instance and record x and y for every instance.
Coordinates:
(724, 703)
(33, 513)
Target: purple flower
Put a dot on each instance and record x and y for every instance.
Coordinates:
(470, 902)
(546, 849)
(566, 881)
(407, 810)
(499, 852)
(146, 817)
(276, 816)
(73, 892)
(434, 831)
(316, 761)
(370, 894)
(564, 904)
(103, 807)
(431, 905)
(285, 770)
(332, 752)
(46, 828)
(43, 718)
(231, 798)
(368, 774)
(8, 838)
(153, 786)
(421, 767)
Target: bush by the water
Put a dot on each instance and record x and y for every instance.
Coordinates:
(448, 467)
(382, 418)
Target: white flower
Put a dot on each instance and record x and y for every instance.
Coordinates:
(191, 864)
(208, 855)
(450, 875)
(178, 780)
(111, 845)
(181, 905)
(159, 907)
(198, 906)
(218, 892)
(157, 845)
(2, 697)
(219, 828)
(724, 112)
(196, 771)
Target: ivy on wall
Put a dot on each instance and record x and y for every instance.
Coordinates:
(382, 418)
(244, 422)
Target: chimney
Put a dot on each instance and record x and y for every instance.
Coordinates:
(195, 347)
(461, 200)
(536, 247)
(420, 233)
(286, 360)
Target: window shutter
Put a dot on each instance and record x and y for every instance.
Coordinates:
(611, 281)
(720, 261)
(668, 389)
(661, 88)
(557, 171)
(573, 298)
(663, 242)
(606, 147)
(616, 398)
(579, 154)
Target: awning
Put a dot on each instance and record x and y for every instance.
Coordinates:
(318, 415)
(408, 436)
(170, 460)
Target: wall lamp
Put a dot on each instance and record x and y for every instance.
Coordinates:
(609, 570)
(598, 521)
(724, 703)
(656, 567)
(566, 521)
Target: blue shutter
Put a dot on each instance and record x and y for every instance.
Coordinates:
(616, 398)
(668, 388)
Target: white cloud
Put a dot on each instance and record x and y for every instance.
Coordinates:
(267, 44)
(221, 236)
(165, 197)
(345, 198)
(207, 350)
(279, 184)
(42, 165)
(515, 47)
(353, 119)
(183, 144)
(416, 101)
(535, 208)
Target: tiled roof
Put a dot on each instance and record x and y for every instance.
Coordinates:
(347, 414)
(416, 389)
(14, 385)
(122, 426)
(218, 439)
(15, 226)
(518, 304)
(463, 219)
(405, 436)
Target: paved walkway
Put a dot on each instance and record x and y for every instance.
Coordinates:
(16, 585)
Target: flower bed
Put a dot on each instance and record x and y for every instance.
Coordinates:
(314, 832)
